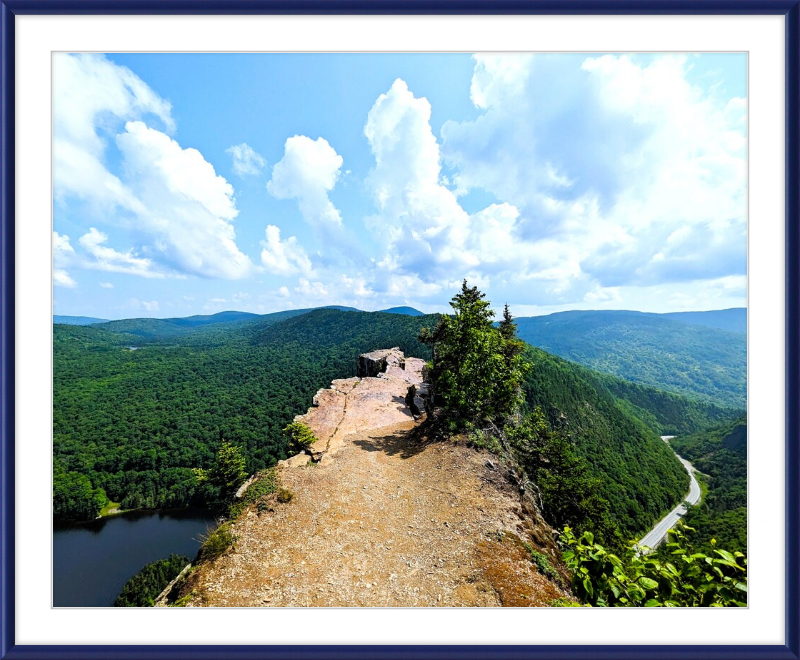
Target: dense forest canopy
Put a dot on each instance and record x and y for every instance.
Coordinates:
(697, 361)
(134, 423)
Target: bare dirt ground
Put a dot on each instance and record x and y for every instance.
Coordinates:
(388, 519)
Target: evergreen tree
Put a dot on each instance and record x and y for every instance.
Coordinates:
(477, 368)
(508, 389)
(228, 471)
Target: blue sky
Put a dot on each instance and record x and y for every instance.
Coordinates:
(196, 183)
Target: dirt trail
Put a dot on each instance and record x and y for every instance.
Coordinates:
(385, 519)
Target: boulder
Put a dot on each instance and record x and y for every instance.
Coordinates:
(376, 362)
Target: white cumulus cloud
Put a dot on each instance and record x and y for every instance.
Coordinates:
(307, 172)
(621, 171)
(177, 209)
(189, 209)
(90, 95)
(284, 257)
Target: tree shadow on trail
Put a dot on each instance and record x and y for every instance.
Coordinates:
(399, 443)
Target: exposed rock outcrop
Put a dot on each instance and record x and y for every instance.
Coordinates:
(376, 362)
(353, 405)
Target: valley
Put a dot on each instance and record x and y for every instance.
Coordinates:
(245, 377)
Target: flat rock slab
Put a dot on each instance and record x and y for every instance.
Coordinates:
(356, 405)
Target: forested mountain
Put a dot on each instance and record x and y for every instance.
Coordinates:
(134, 422)
(638, 473)
(697, 361)
(410, 311)
(76, 320)
(732, 320)
(720, 453)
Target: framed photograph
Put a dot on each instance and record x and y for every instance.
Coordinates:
(472, 327)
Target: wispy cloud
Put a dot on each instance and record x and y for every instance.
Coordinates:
(245, 160)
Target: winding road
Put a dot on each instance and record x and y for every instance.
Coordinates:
(651, 540)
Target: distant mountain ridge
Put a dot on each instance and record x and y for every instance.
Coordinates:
(732, 320)
(692, 359)
(76, 320)
(408, 311)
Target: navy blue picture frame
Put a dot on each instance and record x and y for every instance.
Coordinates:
(10, 8)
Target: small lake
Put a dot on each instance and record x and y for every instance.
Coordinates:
(93, 561)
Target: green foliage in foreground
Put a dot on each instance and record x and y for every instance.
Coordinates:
(300, 437)
(684, 579)
(144, 587)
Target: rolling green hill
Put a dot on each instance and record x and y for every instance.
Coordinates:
(134, 422)
(639, 474)
(697, 361)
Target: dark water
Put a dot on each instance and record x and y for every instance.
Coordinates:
(92, 561)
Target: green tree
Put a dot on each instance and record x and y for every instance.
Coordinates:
(300, 437)
(228, 471)
(476, 368)
(74, 498)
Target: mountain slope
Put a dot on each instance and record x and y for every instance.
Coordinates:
(732, 320)
(136, 422)
(640, 476)
(696, 361)
(720, 453)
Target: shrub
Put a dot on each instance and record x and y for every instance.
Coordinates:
(687, 579)
(228, 472)
(543, 564)
(301, 437)
(216, 542)
(285, 495)
(266, 483)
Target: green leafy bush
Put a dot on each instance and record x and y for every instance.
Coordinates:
(285, 495)
(144, 587)
(685, 579)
